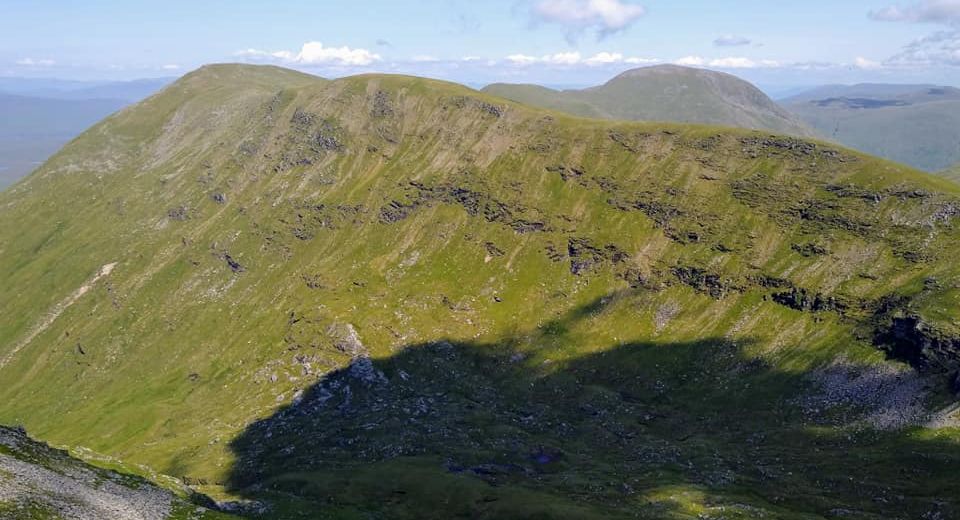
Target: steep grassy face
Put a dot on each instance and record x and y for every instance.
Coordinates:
(348, 298)
(665, 93)
(917, 125)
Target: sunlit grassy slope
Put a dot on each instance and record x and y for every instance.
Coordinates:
(644, 303)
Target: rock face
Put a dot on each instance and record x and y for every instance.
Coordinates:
(36, 480)
(347, 340)
(912, 339)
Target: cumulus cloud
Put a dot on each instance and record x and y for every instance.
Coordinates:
(743, 63)
(315, 53)
(731, 62)
(642, 61)
(575, 58)
(562, 58)
(941, 48)
(926, 11)
(605, 58)
(732, 40)
(604, 16)
(691, 61)
(30, 62)
(865, 64)
(522, 59)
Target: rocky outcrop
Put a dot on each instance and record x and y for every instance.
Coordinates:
(37, 481)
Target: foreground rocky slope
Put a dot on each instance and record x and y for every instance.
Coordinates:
(40, 482)
(395, 297)
(665, 93)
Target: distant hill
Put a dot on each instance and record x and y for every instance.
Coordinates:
(38, 116)
(917, 125)
(665, 93)
(952, 173)
(129, 91)
(32, 129)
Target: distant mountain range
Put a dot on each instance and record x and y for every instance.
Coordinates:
(38, 116)
(129, 91)
(665, 93)
(917, 125)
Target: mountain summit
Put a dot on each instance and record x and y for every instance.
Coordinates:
(666, 93)
(387, 296)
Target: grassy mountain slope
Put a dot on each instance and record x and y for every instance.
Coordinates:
(665, 93)
(397, 296)
(917, 125)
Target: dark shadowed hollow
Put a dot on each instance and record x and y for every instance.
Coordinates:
(641, 430)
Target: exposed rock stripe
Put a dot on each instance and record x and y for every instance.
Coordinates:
(56, 311)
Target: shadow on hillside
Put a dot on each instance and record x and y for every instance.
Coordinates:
(465, 430)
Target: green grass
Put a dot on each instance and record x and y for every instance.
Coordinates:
(173, 359)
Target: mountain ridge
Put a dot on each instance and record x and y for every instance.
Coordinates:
(393, 254)
(666, 93)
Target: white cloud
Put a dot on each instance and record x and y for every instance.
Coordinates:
(732, 40)
(605, 58)
(30, 62)
(424, 58)
(730, 62)
(522, 59)
(691, 61)
(925, 11)
(605, 16)
(563, 58)
(865, 64)
(939, 49)
(568, 59)
(742, 63)
(315, 53)
(642, 61)
(170, 66)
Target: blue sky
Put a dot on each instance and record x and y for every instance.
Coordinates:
(566, 42)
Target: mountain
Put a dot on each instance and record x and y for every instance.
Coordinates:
(130, 91)
(33, 127)
(386, 296)
(917, 125)
(665, 93)
(39, 481)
